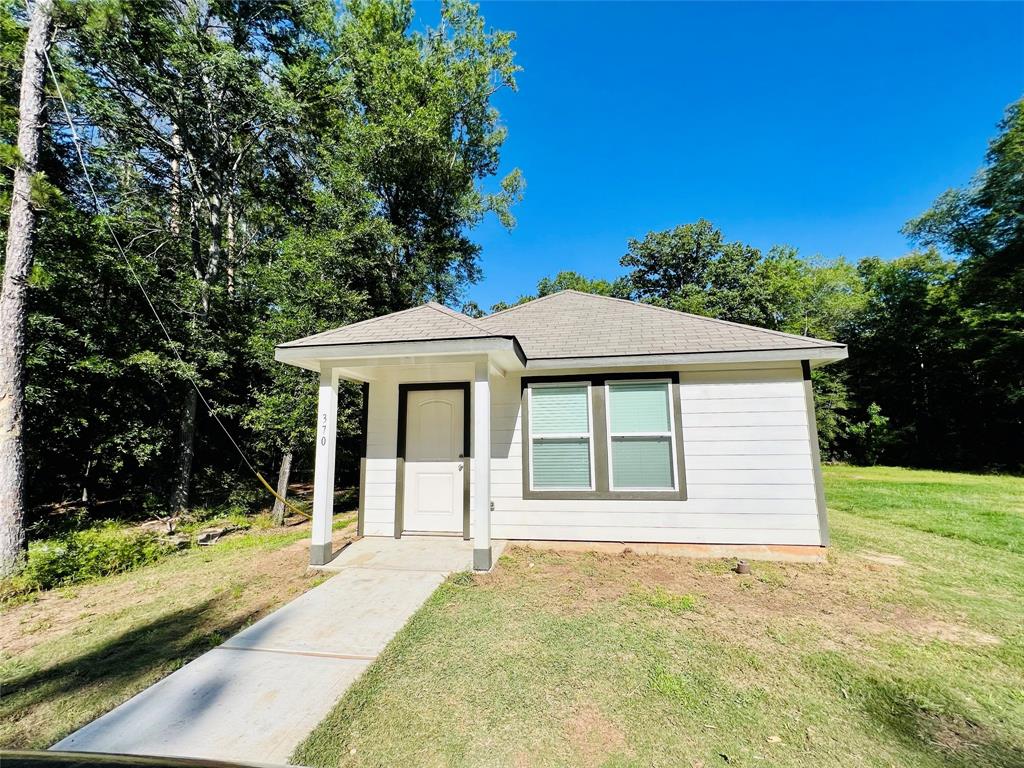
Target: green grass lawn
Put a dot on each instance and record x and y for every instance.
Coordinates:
(906, 649)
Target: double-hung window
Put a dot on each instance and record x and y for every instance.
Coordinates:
(641, 436)
(561, 437)
(603, 436)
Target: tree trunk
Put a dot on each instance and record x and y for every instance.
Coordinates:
(186, 447)
(85, 481)
(231, 249)
(176, 182)
(187, 425)
(282, 487)
(13, 299)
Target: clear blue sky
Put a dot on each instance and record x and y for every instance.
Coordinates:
(823, 126)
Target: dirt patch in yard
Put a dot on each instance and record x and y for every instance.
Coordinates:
(882, 558)
(593, 736)
(836, 603)
(952, 633)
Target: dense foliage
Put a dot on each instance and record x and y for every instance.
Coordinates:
(275, 170)
(271, 171)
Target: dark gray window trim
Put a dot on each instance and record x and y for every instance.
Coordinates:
(600, 437)
(812, 434)
(403, 409)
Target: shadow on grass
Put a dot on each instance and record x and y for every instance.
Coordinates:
(936, 729)
(118, 665)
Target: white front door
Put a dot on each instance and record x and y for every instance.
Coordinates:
(434, 465)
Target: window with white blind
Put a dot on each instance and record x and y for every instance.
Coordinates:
(561, 434)
(641, 436)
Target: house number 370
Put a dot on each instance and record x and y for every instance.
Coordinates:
(323, 429)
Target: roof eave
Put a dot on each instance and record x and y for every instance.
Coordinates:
(313, 356)
(816, 355)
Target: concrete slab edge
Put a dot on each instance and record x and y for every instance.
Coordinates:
(784, 553)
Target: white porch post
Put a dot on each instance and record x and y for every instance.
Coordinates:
(323, 477)
(482, 468)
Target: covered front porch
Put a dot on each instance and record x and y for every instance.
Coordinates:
(425, 465)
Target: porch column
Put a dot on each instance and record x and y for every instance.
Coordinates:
(482, 468)
(323, 476)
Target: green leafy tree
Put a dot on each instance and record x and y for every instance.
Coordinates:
(407, 141)
(983, 225)
(271, 172)
(202, 117)
(424, 135)
(19, 253)
(691, 268)
(902, 358)
(572, 281)
(820, 298)
(870, 436)
(810, 297)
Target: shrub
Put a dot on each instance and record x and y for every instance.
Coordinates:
(213, 517)
(87, 554)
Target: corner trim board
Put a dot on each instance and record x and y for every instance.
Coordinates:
(466, 465)
(364, 422)
(812, 436)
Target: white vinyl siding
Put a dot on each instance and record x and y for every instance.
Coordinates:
(755, 486)
(751, 488)
(641, 438)
(561, 437)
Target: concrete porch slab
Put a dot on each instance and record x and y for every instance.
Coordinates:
(410, 553)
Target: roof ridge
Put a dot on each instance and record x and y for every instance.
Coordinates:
(523, 304)
(465, 319)
(702, 317)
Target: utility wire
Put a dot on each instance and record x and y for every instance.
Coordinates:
(100, 208)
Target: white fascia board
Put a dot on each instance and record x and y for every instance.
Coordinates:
(312, 356)
(817, 356)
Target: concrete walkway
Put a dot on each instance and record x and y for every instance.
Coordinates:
(254, 698)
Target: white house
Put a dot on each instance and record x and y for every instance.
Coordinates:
(574, 417)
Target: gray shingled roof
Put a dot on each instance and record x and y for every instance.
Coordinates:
(430, 321)
(570, 324)
(574, 324)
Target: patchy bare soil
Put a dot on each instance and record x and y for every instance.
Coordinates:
(593, 736)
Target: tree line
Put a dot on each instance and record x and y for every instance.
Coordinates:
(266, 171)
(936, 370)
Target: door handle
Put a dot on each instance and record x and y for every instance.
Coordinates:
(460, 467)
